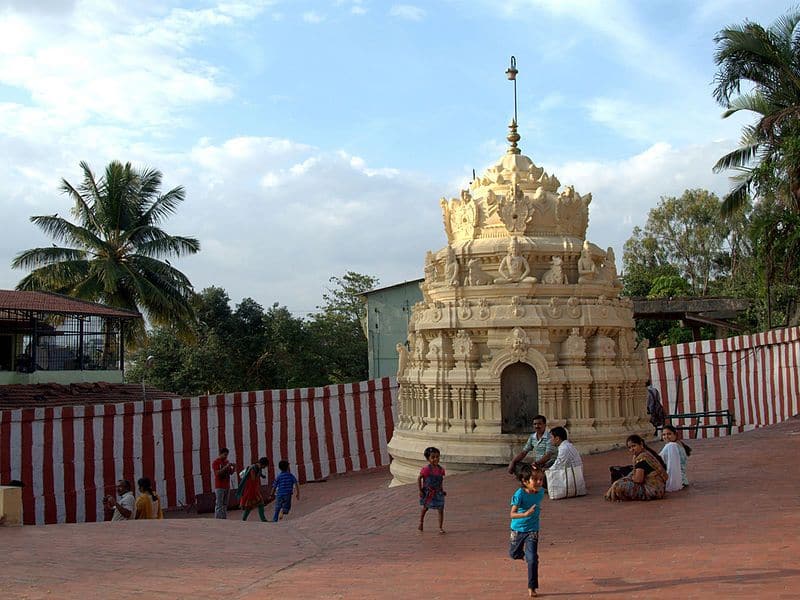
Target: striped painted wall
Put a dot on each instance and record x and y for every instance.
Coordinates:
(71, 457)
(756, 377)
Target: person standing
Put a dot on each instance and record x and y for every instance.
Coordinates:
(125, 508)
(525, 510)
(654, 407)
(544, 453)
(283, 486)
(249, 490)
(431, 490)
(222, 483)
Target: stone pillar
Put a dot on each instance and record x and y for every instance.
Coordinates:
(11, 504)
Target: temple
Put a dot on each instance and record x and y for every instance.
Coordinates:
(520, 315)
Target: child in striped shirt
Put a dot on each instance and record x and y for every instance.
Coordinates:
(282, 488)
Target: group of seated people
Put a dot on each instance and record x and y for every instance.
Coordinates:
(650, 475)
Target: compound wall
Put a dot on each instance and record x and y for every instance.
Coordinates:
(70, 457)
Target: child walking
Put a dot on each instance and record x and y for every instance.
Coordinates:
(282, 488)
(525, 509)
(431, 493)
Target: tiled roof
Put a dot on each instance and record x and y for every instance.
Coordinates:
(49, 302)
(75, 394)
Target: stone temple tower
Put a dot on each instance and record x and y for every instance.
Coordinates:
(520, 315)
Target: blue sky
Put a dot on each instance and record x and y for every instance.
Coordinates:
(316, 137)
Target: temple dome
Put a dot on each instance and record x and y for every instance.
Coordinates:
(515, 197)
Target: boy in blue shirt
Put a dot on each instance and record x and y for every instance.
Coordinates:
(282, 488)
(525, 510)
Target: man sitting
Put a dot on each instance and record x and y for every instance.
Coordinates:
(544, 453)
(568, 455)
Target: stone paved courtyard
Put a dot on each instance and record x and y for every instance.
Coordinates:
(733, 533)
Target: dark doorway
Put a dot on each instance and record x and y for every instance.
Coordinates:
(519, 392)
(6, 352)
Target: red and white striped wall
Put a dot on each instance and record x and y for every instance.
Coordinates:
(756, 377)
(70, 457)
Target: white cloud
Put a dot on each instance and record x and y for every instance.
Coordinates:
(313, 17)
(276, 218)
(104, 61)
(623, 191)
(408, 12)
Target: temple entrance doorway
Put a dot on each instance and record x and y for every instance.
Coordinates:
(519, 392)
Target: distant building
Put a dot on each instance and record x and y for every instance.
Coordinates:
(388, 313)
(51, 338)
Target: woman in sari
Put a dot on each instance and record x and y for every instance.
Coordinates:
(648, 479)
(249, 490)
(675, 454)
(148, 504)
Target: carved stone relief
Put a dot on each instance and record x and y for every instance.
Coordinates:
(515, 210)
(518, 343)
(555, 274)
(451, 268)
(476, 275)
(514, 267)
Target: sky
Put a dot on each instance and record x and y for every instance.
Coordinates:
(317, 137)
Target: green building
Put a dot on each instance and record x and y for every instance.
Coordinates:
(388, 314)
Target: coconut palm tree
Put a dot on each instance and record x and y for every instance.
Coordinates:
(766, 63)
(113, 254)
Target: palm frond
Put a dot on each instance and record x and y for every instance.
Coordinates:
(755, 102)
(163, 206)
(741, 157)
(168, 245)
(62, 230)
(38, 257)
(59, 277)
(737, 198)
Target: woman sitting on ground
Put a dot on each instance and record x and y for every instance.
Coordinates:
(675, 453)
(648, 479)
(148, 504)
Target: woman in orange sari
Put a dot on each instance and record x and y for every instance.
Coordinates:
(647, 481)
(249, 490)
(148, 504)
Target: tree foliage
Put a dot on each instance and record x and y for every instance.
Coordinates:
(684, 237)
(249, 348)
(116, 252)
(766, 63)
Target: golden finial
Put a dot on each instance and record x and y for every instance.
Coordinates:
(513, 136)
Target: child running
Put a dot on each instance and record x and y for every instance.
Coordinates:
(282, 488)
(431, 493)
(525, 510)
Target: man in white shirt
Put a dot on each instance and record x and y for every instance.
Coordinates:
(125, 508)
(568, 455)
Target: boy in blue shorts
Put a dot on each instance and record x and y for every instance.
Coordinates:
(525, 509)
(282, 488)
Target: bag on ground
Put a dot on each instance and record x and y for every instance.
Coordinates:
(566, 482)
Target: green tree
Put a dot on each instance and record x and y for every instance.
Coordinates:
(766, 62)
(337, 330)
(113, 254)
(683, 237)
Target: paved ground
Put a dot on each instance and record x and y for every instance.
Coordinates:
(732, 534)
